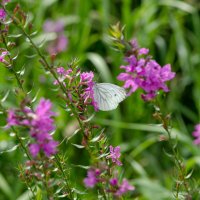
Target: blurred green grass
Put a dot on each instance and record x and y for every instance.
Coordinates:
(171, 30)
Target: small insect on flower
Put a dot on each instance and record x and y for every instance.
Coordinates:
(108, 96)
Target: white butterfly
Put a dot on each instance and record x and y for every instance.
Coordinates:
(108, 96)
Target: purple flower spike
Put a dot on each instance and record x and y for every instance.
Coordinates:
(2, 14)
(34, 149)
(88, 95)
(113, 181)
(91, 179)
(53, 26)
(40, 123)
(12, 118)
(115, 154)
(3, 54)
(61, 41)
(124, 187)
(196, 134)
(144, 73)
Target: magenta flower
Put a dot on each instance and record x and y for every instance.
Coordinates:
(144, 73)
(58, 45)
(53, 26)
(87, 77)
(88, 95)
(113, 181)
(49, 147)
(40, 123)
(12, 118)
(115, 154)
(62, 74)
(3, 54)
(61, 42)
(143, 51)
(196, 134)
(124, 187)
(34, 149)
(92, 178)
(61, 70)
(2, 14)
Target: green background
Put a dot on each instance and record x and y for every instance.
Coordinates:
(171, 30)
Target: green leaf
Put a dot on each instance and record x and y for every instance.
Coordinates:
(178, 4)
(101, 66)
(78, 146)
(150, 188)
(27, 195)
(5, 188)
(5, 96)
(39, 194)
(82, 166)
(10, 150)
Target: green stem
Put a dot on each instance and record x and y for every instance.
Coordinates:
(11, 62)
(59, 164)
(50, 69)
(177, 160)
(17, 136)
(46, 181)
(21, 143)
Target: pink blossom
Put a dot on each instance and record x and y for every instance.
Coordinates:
(62, 75)
(113, 181)
(58, 45)
(53, 26)
(61, 42)
(196, 134)
(88, 95)
(124, 187)
(49, 147)
(34, 149)
(143, 51)
(144, 73)
(92, 178)
(2, 14)
(115, 154)
(3, 54)
(134, 44)
(40, 123)
(60, 70)
(12, 118)
(87, 77)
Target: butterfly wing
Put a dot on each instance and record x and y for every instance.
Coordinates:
(108, 96)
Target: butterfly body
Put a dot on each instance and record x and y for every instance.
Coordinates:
(108, 96)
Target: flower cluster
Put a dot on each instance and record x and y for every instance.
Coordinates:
(85, 85)
(196, 134)
(40, 124)
(92, 177)
(2, 14)
(114, 155)
(62, 75)
(2, 56)
(87, 79)
(60, 43)
(97, 175)
(145, 73)
(120, 189)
